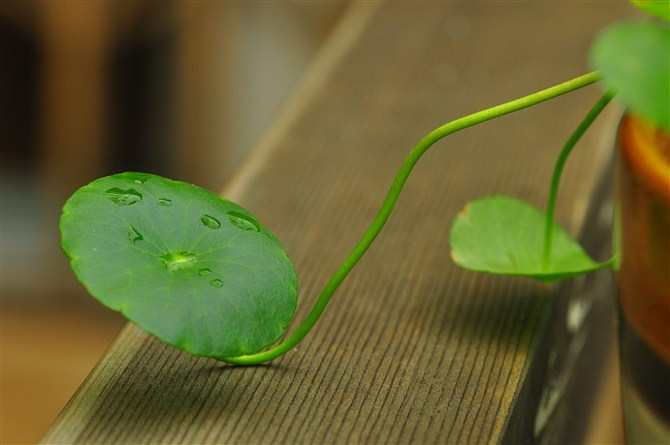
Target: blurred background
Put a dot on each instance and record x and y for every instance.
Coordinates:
(181, 88)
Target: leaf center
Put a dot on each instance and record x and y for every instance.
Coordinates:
(178, 261)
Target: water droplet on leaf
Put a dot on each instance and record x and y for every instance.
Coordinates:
(124, 197)
(178, 261)
(134, 235)
(204, 271)
(242, 221)
(210, 221)
(216, 282)
(166, 202)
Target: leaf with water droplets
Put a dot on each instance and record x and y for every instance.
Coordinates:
(242, 221)
(123, 197)
(196, 270)
(505, 236)
(210, 222)
(134, 235)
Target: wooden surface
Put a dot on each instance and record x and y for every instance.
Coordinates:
(35, 380)
(412, 349)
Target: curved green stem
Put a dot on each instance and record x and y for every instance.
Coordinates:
(558, 171)
(389, 202)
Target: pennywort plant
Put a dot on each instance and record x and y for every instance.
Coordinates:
(204, 275)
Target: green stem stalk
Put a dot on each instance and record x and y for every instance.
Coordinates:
(389, 203)
(558, 171)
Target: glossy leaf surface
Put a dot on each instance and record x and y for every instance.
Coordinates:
(197, 271)
(505, 236)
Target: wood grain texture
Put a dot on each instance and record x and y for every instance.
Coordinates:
(411, 349)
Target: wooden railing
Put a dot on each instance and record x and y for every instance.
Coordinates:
(412, 349)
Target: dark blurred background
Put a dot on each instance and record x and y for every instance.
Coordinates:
(181, 88)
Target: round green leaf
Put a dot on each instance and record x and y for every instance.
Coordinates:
(196, 270)
(634, 60)
(503, 235)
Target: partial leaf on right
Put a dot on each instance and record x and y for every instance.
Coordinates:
(503, 235)
(660, 8)
(634, 60)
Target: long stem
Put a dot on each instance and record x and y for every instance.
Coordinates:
(389, 202)
(558, 171)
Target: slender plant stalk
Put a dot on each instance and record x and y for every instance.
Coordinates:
(558, 171)
(392, 197)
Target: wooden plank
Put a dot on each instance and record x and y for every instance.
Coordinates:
(412, 349)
